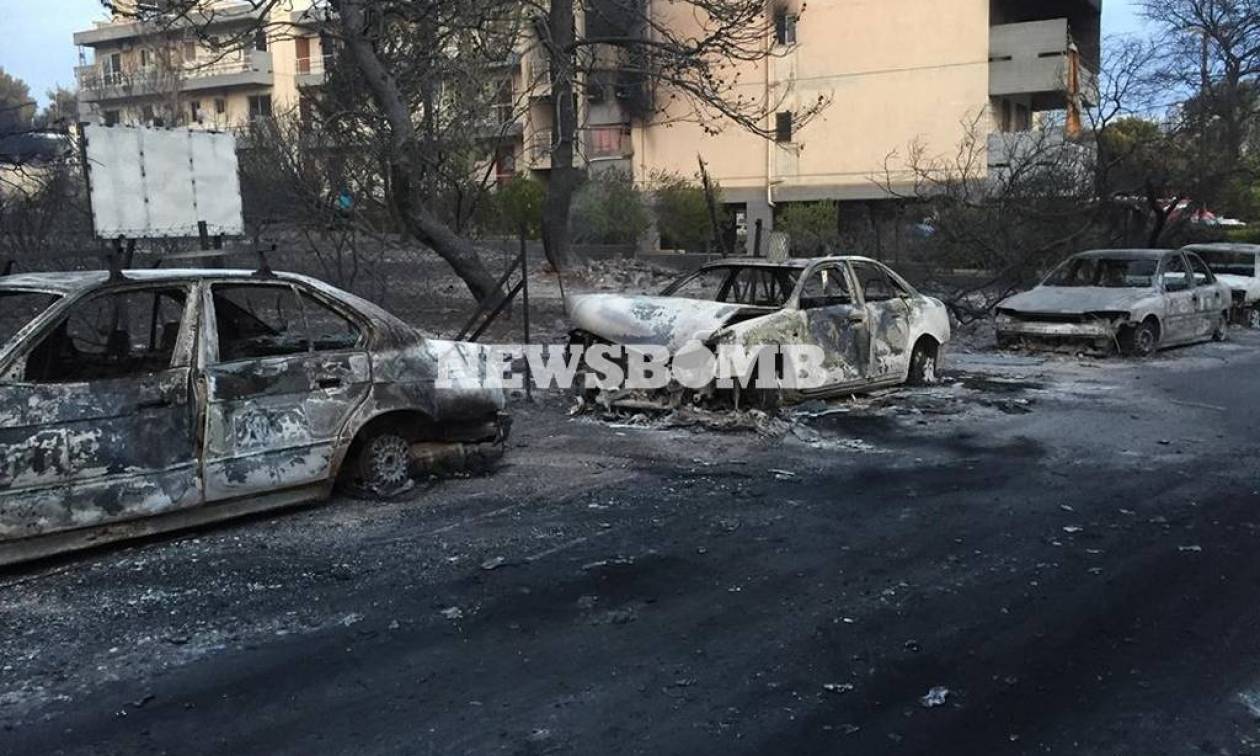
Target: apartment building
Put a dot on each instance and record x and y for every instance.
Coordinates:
(215, 69)
(896, 72)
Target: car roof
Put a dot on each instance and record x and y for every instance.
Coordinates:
(796, 263)
(1224, 247)
(1126, 254)
(73, 282)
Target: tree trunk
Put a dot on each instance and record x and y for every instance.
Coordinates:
(564, 178)
(413, 213)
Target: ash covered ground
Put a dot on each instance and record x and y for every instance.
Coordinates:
(1041, 554)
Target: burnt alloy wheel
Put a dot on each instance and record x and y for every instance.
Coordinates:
(1141, 340)
(922, 364)
(383, 466)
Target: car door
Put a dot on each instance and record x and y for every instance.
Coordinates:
(836, 322)
(888, 320)
(1210, 297)
(97, 414)
(284, 370)
(1182, 321)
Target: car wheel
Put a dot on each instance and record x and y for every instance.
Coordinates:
(1253, 317)
(923, 364)
(383, 466)
(1141, 340)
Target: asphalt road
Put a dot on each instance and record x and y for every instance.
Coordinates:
(1069, 550)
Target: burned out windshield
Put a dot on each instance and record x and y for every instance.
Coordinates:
(18, 308)
(754, 285)
(1229, 263)
(1106, 272)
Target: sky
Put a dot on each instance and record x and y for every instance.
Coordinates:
(37, 46)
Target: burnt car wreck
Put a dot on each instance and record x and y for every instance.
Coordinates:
(147, 401)
(1134, 302)
(872, 328)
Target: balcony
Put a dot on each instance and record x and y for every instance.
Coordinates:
(97, 84)
(211, 16)
(1040, 154)
(538, 151)
(1032, 58)
(312, 71)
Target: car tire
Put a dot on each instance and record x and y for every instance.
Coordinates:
(1141, 340)
(923, 363)
(382, 466)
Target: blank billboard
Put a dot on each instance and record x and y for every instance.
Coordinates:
(154, 183)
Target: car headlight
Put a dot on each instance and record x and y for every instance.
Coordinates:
(1109, 315)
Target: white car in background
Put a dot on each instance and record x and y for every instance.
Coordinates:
(1238, 267)
(1136, 301)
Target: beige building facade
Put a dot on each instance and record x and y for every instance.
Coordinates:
(895, 73)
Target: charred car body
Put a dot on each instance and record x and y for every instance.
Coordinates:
(146, 401)
(1135, 301)
(1238, 267)
(873, 328)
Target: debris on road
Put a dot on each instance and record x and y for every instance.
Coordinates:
(452, 613)
(935, 697)
(838, 687)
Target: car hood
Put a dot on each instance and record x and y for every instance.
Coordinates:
(1076, 299)
(1247, 284)
(660, 321)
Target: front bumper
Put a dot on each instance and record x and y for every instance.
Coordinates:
(1094, 329)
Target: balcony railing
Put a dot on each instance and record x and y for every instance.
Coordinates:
(96, 82)
(538, 151)
(312, 71)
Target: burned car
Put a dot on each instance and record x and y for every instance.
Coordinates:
(1134, 301)
(872, 327)
(144, 401)
(1238, 267)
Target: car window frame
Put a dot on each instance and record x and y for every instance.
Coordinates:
(843, 265)
(1162, 270)
(1191, 259)
(183, 356)
(901, 290)
(211, 355)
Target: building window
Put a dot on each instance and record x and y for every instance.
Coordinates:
(220, 106)
(110, 117)
(302, 46)
(504, 107)
(194, 111)
(783, 127)
(784, 27)
(190, 50)
(504, 165)
(260, 106)
(260, 40)
(146, 114)
(146, 58)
